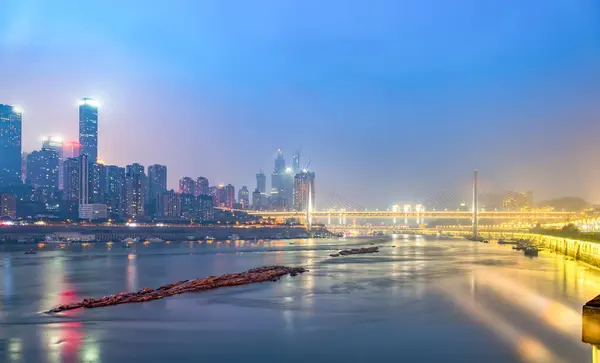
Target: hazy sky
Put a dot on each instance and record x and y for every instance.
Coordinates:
(391, 100)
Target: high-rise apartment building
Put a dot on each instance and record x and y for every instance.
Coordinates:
(8, 206)
(187, 185)
(135, 187)
(202, 186)
(115, 191)
(157, 185)
(42, 169)
(229, 192)
(88, 128)
(304, 191)
(244, 197)
(10, 145)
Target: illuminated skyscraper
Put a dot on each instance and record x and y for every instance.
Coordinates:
(229, 196)
(205, 208)
(277, 176)
(56, 143)
(201, 186)
(8, 206)
(135, 186)
(157, 185)
(171, 204)
(84, 183)
(256, 200)
(42, 169)
(10, 145)
(88, 128)
(115, 191)
(244, 197)
(187, 185)
(296, 162)
(97, 183)
(282, 183)
(261, 182)
(304, 190)
(71, 180)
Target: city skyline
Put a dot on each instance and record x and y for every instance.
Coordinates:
(388, 87)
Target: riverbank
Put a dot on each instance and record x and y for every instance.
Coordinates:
(580, 250)
(90, 234)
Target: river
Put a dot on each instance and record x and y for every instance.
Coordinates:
(418, 300)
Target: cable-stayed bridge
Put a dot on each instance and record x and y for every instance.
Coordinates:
(492, 202)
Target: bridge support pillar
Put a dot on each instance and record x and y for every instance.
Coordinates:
(475, 203)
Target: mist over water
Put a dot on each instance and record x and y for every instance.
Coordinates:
(416, 300)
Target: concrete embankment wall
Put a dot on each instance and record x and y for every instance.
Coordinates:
(585, 251)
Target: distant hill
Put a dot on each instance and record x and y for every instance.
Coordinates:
(569, 204)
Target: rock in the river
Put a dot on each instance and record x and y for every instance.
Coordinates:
(358, 251)
(260, 274)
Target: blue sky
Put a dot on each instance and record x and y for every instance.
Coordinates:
(391, 100)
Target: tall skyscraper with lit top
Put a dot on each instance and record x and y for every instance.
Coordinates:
(10, 145)
(88, 128)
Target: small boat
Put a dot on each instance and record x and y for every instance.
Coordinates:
(30, 252)
(130, 240)
(155, 240)
(126, 246)
(530, 251)
(190, 238)
(292, 243)
(234, 237)
(209, 238)
(506, 242)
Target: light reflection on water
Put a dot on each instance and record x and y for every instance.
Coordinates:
(478, 302)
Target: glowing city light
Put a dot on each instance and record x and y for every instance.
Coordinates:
(89, 102)
(17, 109)
(288, 170)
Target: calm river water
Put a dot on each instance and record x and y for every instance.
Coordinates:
(418, 300)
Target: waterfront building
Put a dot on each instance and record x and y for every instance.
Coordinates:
(157, 185)
(115, 191)
(88, 128)
(171, 204)
(135, 190)
(97, 183)
(304, 191)
(84, 183)
(10, 145)
(56, 144)
(71, 179)
(93, 211)
(8, 206)
(202, 186)
(42, 168)
(212, 192)
(244, 197)
(205, 208)
(229, 193)
(187, 185)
